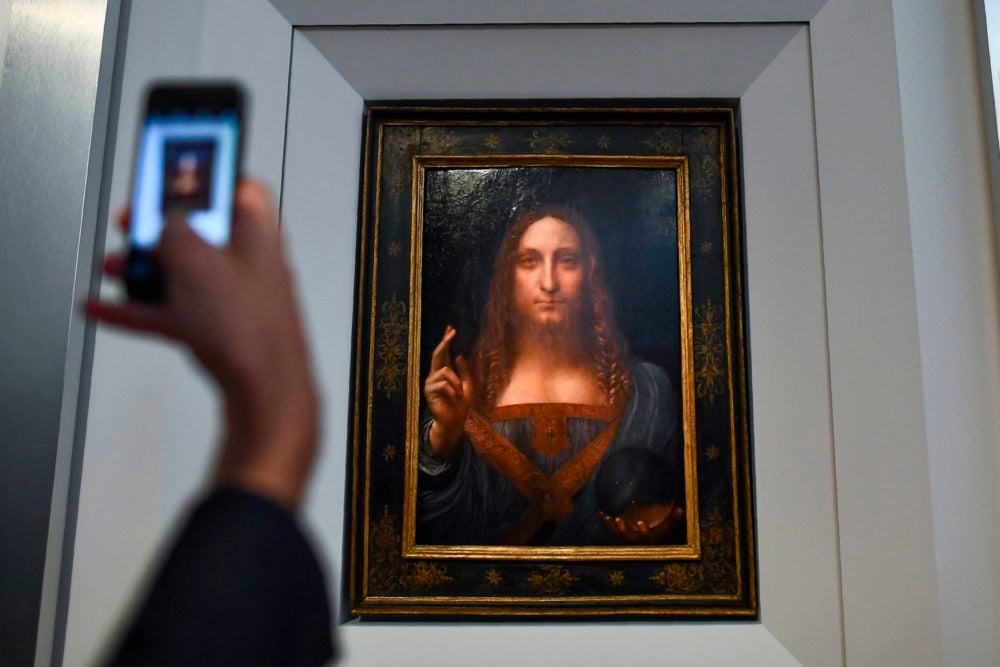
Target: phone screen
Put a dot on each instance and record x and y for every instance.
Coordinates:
(187, 161)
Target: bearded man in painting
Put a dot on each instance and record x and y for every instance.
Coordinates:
(551, 436)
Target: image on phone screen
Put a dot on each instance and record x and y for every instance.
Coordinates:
(187, 163)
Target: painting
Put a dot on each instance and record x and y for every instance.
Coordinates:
(187, 169)
(549, 401)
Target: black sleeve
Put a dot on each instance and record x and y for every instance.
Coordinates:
(240, 587)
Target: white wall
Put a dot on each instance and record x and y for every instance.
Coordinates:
(887, 561)
(954, 261)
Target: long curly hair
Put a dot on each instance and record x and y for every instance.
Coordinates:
(493, 350)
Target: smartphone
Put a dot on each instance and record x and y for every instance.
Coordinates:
(187, 161)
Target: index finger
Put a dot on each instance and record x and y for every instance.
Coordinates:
(441, 356)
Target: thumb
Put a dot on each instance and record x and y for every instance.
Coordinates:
(179, 243)
(176, 233)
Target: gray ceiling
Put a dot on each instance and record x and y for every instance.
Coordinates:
(468, 62)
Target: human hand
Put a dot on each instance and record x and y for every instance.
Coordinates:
(644, 524)
(235, 310)
(449, 396)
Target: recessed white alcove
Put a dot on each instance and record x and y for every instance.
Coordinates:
(767, 66)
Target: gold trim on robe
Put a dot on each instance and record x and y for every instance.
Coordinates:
(551, 496)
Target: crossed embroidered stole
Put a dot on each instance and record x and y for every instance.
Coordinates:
(551, 496)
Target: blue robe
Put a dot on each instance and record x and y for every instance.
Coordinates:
(467, 501)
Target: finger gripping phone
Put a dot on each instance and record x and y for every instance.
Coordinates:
(187, 162)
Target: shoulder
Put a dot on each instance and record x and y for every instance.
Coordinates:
(651, 385)
(648, 374)
(651, 415)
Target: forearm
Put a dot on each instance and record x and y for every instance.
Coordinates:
(271, 442)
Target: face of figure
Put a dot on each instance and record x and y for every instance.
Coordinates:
(549, 275)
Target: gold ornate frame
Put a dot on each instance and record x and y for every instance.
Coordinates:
(700, 339)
